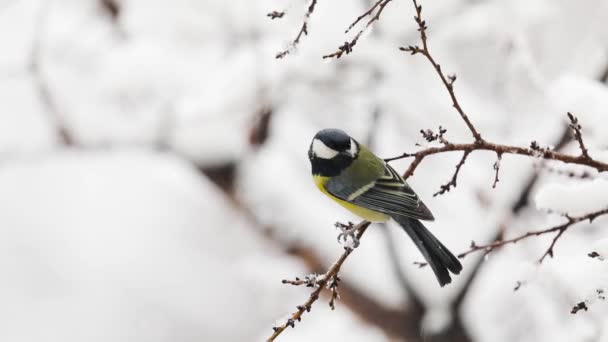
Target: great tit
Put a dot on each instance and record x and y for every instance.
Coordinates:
(353, 176)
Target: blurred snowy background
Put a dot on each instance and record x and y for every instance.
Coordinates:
(154, 183)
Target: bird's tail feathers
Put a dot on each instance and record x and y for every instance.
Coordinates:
(436, 254)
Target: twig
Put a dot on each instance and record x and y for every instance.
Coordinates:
(452, 183)
(431, 136)
(560, 229)
(565, 173)
(42, 87)
(303, 30)
(578, 307)
(347, 47)
(497, 169)
(576, 128)
(448, 81)
(594, 255)
(332, 285)
(598, 294)
(276, 14)
(321, 283)
(311, 280)
(365, 14)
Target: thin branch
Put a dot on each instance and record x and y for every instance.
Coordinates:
(496, 169)
(365, 14)
(42, 87)
(549, 251)
(576, 129)
(448, 81)
(452, 183)
(320, 285)
(347, 47)
(303, 29)
(566, 173)
(276, 14)
(560, 229)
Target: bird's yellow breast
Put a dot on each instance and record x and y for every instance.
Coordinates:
(364, 213)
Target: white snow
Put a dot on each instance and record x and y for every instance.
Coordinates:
(130, 246)
(113, 240)
(575, 198)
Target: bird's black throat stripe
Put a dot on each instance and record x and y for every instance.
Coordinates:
(330, 167)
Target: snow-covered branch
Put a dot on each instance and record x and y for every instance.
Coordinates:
(329, 279)
(347, 47)
(303, 28)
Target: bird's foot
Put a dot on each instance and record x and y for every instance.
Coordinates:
(347, 232)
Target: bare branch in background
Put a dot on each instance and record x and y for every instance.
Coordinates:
(347, 47)
(560, 229)
(598, 294)
(596, 255)
(303, 29)
(578, 307)
(258, 133)
(44, 92)
(112, 7)
(604, 76)
(568, 173)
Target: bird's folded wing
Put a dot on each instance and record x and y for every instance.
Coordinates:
(388, 194)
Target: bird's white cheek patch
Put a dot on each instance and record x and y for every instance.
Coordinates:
(323, 151)
(353, 148)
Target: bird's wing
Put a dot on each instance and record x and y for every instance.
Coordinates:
(388, 194)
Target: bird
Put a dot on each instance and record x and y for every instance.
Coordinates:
(354, 177)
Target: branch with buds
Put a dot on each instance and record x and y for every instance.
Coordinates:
(327, 280)
(479, 143)
(330, 279)
(559, 229)
(303, 29)
(374, 12)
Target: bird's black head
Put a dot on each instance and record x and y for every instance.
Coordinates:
(331, 151)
